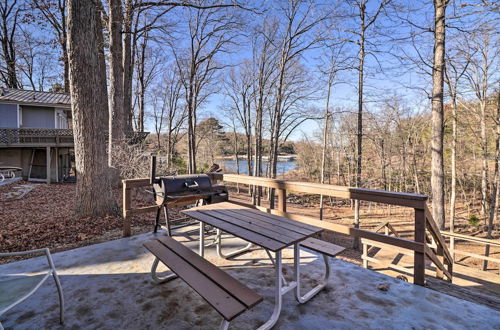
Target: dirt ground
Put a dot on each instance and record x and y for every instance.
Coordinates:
(44, 218)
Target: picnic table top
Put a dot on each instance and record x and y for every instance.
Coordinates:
(269, 231)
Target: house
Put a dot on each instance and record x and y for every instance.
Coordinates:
(36, 134)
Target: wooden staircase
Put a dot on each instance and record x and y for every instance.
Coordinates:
(467, 283)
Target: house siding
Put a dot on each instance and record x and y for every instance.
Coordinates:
(8, 115)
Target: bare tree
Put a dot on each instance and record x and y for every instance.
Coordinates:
(298, 35)
(132, 31)
(482, 57)
(211, 32)
(365, 22)
(238, 89)
(53, 12)
(333, 62)
(437, 155)
(454, 72)
(87, 75)
(169, 112)
(35, 62)
(264, 54)
(9, 15)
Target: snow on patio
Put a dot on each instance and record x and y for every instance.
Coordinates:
(108, 286)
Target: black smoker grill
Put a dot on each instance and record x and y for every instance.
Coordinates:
(181, 190)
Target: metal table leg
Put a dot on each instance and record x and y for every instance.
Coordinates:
(277, 295)
(224, 325)
(231, 254)
(202, 239)
(311, 293)
(274, 265)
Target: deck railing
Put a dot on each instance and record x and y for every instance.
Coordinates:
(488, 243)
(424, 223)
(11, 136)
(49, 136)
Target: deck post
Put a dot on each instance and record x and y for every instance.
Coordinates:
(282, 200)
(127, 200)
(440, 256)
(419, 256)
(48, 164)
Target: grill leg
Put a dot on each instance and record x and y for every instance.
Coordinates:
(167, 220)
(157, 220)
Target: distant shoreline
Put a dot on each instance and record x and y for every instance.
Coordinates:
(285, 158)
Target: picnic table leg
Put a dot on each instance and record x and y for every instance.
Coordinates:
(224, 325)
(157, 278)
(274, 265)
(277, 295)
(202, 239)
(231, 254)
(311, 293)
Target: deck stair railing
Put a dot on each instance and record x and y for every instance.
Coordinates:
(369, 245)
(437, 250)
(423, 221)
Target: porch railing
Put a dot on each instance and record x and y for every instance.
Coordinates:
(50, 136)
(35, 135)
(424, 246)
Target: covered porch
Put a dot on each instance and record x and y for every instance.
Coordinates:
(108, 285)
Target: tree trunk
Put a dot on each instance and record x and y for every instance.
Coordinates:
(257, 169)
(453, 195)
(9, 23)
(325, 144)
(117, 118)
(142, 83)
(94, 196)
(127, 64)
(359, 145)
(64, 44)
(496, 181)
(437, 159)
(484, 154)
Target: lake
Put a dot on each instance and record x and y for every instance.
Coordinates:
(283, 166)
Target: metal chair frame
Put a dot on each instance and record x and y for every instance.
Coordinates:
(51, 272)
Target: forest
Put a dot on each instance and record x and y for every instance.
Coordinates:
(387, 94)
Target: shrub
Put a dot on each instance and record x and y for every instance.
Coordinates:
(474, 220)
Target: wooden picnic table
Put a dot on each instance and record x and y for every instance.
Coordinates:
(271, 232)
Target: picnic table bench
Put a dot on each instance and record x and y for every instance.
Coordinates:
(224, 293)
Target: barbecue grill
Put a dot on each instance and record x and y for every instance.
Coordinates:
(182, 190)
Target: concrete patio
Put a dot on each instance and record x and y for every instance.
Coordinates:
(108, 286)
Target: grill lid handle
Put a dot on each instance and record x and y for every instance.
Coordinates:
(193, 186)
